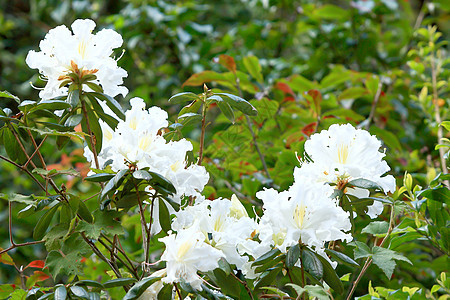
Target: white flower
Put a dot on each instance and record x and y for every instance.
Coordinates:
(221, 229)
(138, 141)
(305, 213)
(151, 293)
(343, 153)
(185, 254)
(63, 52)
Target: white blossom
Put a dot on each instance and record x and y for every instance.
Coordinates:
(304, 213)
(63, 52)
(343, 153)
(185, 254)
(220, 226)
(138, 141)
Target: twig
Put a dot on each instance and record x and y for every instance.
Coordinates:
(374, 104)
(250, 127)
(25, 170)
(144, 228)
(178, 291)
(369, 259)
(244, 284)
(202, 135)
(130, 268)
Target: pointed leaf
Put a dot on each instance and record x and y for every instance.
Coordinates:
(44, 222)
(183, 97)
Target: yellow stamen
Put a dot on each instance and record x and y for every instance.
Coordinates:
(183, 249)
(342, 153)
(82, 49)
(144, 142)
(299, 215)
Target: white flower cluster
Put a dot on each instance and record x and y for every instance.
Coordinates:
(138, 141)
(63, 52)
(206, 232)
(343, 153)
(305, 213)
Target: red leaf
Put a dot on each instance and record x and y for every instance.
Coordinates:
(228, 62)
(36, 264)
(285, 88)
(310, 128)
(317, 100)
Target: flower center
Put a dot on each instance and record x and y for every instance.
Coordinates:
(299, 215)
(144, 142)
(175, 166)
(342, 153)
(82, 46)
(183, 249)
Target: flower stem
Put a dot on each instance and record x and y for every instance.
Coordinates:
(88, 127)
(369, 259)
(202, 135)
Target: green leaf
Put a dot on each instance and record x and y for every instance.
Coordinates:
(74, 98)
(100, 177)
(376, 228)
(384, 259)
(111, 103)
(104, 221)
(30, 199)
(79, 292)
(239, 104)
(183, 97)
(159, 180)
(398, 241)
(95, 127)
(300, 84)
(203, 77)
(390, 139)
(91, 283)
(292, 256)
(330, 276)
(331, 12)
(6, 94)
(27, 105)
(11, 146)
(352, 93)
(225, 108)
(164, 216)
(440, 194)
(252, 65)
(60, 293)
(266, 257)
(364, 184)
(59, 264)
(51, 105)
(44, 222)
(139, 288)
(311, 264)
(341, 257)
(227, 283)
(93, 86)
(113, 182)
(166, 292)
(142, 174)
(84, 212)
(446, 125)
(267, 278)
(313, 291)
(73, 120)
(361, 250)
(118, 282)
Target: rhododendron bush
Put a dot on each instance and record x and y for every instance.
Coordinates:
(239, 184)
